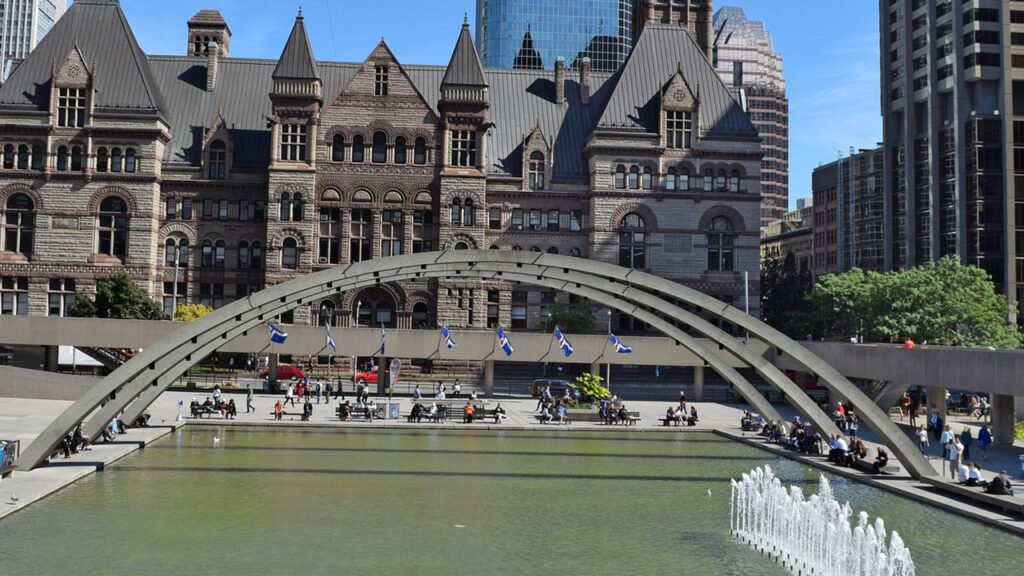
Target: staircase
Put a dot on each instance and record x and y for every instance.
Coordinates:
(111, 358)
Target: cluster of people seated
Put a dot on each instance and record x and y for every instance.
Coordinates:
(846, 454)
(678, 415)
(612, 411)
(558, 414)
(751, 422)
(367, 409)
(218, 405)
(74, 442)
(970, 475)
(798, 436)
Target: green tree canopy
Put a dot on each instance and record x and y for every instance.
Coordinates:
(190, 312)
(578, 320)
(944, 303)
(784, 295)
(117, 297)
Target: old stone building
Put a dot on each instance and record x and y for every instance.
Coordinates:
(208, 176)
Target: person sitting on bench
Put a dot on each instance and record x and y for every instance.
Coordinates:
(622, 415)
(345, 411)
(881, 460)
(232, 409)
(432, 412)
(746, 421)
(1000, 485)
(417, 413)
(107, 435)
(467, 412)
(693, 416)
(499, 413)
(973, 475)
(545, 415)
(307, 410)
(561, 414)
(278, 410)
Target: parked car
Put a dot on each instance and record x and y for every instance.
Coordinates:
(370, 376)
(558, 387)
(285, 372)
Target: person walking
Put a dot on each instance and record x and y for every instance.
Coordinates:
(289, 395)
(922, 439)
(984, 440)
(945, 439)
(319, 389)
(966, 440)
(248, 399)
(953, 455)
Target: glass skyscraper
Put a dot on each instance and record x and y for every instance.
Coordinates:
(572, 29)
(23, 23)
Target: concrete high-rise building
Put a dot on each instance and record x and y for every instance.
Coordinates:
(510, 33)
(953, 119)
(746, 60)
(848, 213)
(23, 23)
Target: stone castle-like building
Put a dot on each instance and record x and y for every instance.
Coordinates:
(206, 176)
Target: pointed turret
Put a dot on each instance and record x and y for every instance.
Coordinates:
(296, 68)
(464, 73)
(297, 100)
(528, 58)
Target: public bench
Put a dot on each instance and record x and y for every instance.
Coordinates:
(868, 465)
(665, 421)
(631, 418)
(357, 413)
(976, 493)
(207, 410)
(554, 419)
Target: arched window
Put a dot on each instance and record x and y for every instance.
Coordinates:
(113, 227)
(8, 157)
(456, 212)
(709, 180)
(574, 251)
(257, 256)
(552, 250)
(297, 207)
(536, 171)
(461, 246)
(517, 248)
(534, 248)
(183, 252)
(102, 160)
(670, 179)
(76, 158)
(468, 216)
(720, 245)
(290, 254)
(720, 181)
(18, 225)
(401, 150)
(219, 250)
(177, 248)
(379, 153)
(338, 148)
(634, 178)
(620, 177)
(633, 241)
(684, 180)
(207, 261)
(218, 160)
(37, 157)
(358, 149)
(383, 314)
(22, 157)
(419, 154)
(326, 315)
(286, 207)
(62, 158)
(420, 315)
(646, 178)
(131, 162)
(115, 160)
(243, 254)
(734, 181)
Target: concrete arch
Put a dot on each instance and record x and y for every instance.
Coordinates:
(645, 296)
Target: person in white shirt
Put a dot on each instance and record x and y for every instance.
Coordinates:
(973, 475)
(962, 473)
(953, 454)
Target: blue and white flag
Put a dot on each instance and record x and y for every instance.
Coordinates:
(618, 345)
(330, 339)
(383, 338)
(277, 336)
(448, 337)
(563, 342)
(504, 343)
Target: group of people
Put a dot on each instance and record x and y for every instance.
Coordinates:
(217, 405)
(75, 441)
(678, 414)
(305, 390)
(557, 413)
(959, 446)
(797, 435)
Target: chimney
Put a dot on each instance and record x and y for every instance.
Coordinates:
(560, 80)
(585, 79)
(212, 55)
(705, 29)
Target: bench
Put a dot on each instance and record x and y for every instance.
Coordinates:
(976, 493)
(554, 419)
(356, 413)
(200, 410)
(631, 418)
(868, 465)
(678, 422)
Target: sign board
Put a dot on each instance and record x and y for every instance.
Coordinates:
(396, 366)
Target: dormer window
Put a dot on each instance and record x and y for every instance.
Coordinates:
(71, 107)
(536, 171)
(678, 129)
(218, 160)
(293, 142)
(380, 80)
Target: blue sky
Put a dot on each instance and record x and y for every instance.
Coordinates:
(830, 52)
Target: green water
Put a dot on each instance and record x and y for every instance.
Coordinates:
(349, 500)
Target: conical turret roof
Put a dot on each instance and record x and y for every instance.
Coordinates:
(464, 68)
(296, 59)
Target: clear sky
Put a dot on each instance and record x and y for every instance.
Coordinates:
(830, 52)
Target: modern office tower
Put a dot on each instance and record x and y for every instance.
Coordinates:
(23, 23)
(848, 213)
(746, 60)
(601, 30)
(953, 119)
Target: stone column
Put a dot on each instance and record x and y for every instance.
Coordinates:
(271, 373)
(698, 384)
(1002, 419)
(489, 378)
(937, 400)
(51, 358)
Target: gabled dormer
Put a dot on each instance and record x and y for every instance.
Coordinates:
(464, 105)
(71, 94)
(537, 160)
(678, 115)
(218, 150)
(528, 58)
(296, 99)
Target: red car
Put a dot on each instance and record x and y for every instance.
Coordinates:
(285, 372)
(369, 376)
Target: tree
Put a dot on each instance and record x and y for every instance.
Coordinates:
(590, 388)
(117, 297)
(190, 312)
(944, 303)
(579, 320)
(784, 295)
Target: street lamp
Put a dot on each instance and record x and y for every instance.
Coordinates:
(547, 319)
(174, 289)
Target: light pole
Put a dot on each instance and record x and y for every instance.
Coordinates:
(359, 306)
(608, 379)
(547, 319)
(174, 289)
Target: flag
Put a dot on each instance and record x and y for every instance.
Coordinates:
(330, 339)
(277, 336)
(447, 337)
(563, 342)
(618, 345)
(383, 338)
(504, 343)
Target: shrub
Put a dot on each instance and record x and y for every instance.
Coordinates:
(589, 388)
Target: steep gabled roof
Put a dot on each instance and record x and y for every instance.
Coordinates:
(528, 58)
(296, 59)
(123, 80)
(464, 68)
(661, 51)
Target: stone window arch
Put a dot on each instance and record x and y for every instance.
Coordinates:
(37, 157)
(62, 158)
(116, 159)
(684, 180)
(456, 212)
(358, 148)
(102, 159)
(536, 170)
(112, 231)
(361, 196)
(552, 250)
(219, 253)
(243, 255)
(207, 254)
(468, 213)
(720, 181)
(634, 178)
(76, 159)
(379, 148)
(131, 161)
(9, 157)
(734, 181)
(647, 178)
(420, 151)
(709, 180)
(721, 236)
(297, 207)
(18, 225)
(290, 253)
(633, 241)
(670, 179)
(326, 315)
(420, 315)
(401, 150)
(620, 177)
(23, 159)
(338, 148)
(257, 255)
(286, 207)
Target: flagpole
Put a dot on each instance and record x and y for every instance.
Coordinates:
(608, 380)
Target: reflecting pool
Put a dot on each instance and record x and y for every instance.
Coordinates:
(351, 500)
